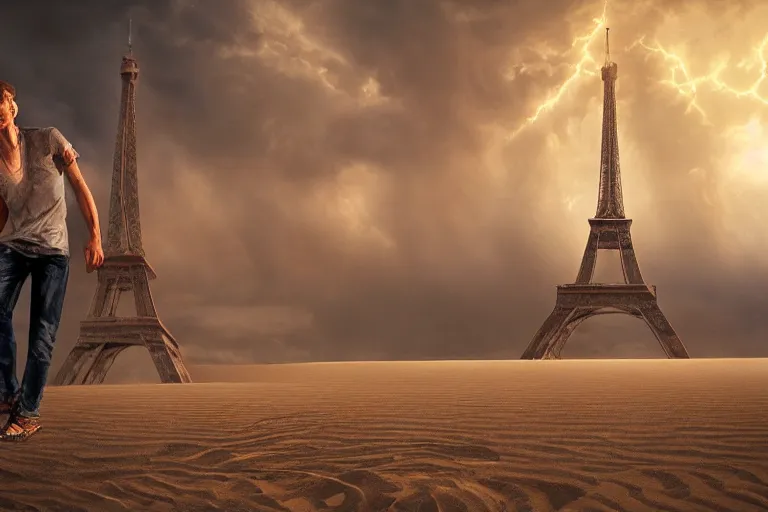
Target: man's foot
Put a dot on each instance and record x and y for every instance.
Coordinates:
(19, 428)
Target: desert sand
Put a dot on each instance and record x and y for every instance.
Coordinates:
(653, 435)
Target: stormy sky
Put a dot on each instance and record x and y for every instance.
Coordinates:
(347, 179)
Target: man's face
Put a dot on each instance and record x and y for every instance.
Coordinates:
(8, 110)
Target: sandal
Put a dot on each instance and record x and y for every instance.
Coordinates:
(20, 428)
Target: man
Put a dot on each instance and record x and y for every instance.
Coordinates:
(32, 164)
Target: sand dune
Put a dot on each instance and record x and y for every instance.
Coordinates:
(451, 436)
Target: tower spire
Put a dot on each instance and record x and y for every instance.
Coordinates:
(130, 36)
(607, 46)
(610, 202)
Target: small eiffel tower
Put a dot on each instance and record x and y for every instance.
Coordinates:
(102, 334)
(609, 230)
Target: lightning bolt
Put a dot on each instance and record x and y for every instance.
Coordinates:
(680, 78)
(586, 66)
(688, 86)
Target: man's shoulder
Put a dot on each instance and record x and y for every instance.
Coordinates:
(32, 131)
(36, 129)
(47, 137)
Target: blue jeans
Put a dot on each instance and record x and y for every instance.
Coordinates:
(49, 284)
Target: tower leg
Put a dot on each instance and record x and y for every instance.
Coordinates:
(76, 360)
(562, 336)
(589, 260)
(106, 298)
(142, 296)
(103, 362)
(541, 345)
(629, 263)
(663, 331)
(167, 358)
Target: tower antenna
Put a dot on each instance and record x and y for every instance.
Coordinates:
(130, 36)
(607, 47)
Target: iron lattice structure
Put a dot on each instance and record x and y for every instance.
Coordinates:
(103, 335)
(609, 230)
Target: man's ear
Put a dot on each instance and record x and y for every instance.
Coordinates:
(14, 109)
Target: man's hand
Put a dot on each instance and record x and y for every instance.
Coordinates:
(94, 255)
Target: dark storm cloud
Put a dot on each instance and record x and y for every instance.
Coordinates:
(328, 180)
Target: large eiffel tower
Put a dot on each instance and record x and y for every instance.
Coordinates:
(609, 229)
(103, 335)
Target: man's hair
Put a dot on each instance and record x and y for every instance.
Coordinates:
(6, 87)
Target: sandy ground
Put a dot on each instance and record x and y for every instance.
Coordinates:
(423, 436)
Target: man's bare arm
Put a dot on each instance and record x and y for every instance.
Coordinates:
(94, 254)
(84, 199)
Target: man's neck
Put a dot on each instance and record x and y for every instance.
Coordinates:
(9, 137)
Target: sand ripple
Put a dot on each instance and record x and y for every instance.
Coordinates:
(450, 436)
